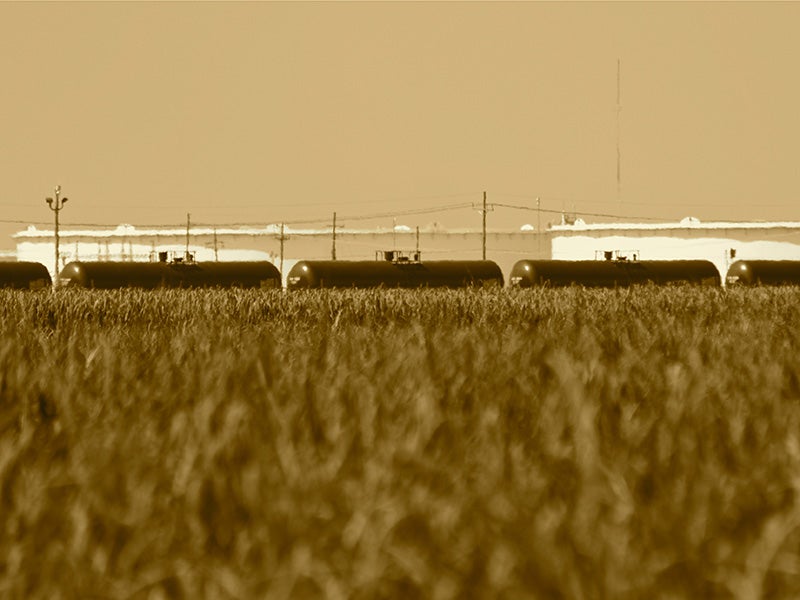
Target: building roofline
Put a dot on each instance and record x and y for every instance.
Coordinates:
(129, 231)
(684, 225)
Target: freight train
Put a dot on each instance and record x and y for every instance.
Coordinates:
(612, 273)
(24, 275)
(764, 272)
(399, 270)
(176, 274)
(394, 269)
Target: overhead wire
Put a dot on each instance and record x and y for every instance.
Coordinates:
(585, 214)
(353, 217)
(326, 221)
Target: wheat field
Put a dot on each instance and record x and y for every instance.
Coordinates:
(632, 443)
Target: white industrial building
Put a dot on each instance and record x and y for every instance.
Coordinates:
(719, 242)
(128, 243)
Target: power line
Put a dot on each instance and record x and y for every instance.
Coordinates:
(587, 214)
(362, 217)
(418, 211)
(698, 204)
(376, 198)
(18, 222)
(325, 222)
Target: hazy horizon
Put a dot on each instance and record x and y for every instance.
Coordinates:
(267, 112)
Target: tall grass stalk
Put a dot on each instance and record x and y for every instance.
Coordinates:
(439, 444)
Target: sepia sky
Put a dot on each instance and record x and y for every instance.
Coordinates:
(264, 112)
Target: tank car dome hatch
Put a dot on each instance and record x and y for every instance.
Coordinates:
(527, 227)
(690, 221)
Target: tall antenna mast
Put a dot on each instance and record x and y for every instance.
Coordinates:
(619, 109)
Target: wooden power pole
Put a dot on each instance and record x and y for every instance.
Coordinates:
(333, 247)
(188, 225)
(282, 238)
(484, 225)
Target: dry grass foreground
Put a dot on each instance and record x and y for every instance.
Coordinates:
(539, 444)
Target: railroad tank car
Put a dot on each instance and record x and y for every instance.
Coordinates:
(149, 275)
(764, 272)
(394, 274)
(24, 275)
(612, 273)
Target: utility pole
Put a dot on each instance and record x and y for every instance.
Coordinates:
(538, 214)
(483, 211)
(484, 225)
(188, 224)
(281, 239)
(216, 254)
(333, 248)
(56, 207)
(538, 228)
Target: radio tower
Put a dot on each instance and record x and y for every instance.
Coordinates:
(619, 109)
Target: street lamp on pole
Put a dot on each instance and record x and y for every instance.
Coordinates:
(56, 206)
